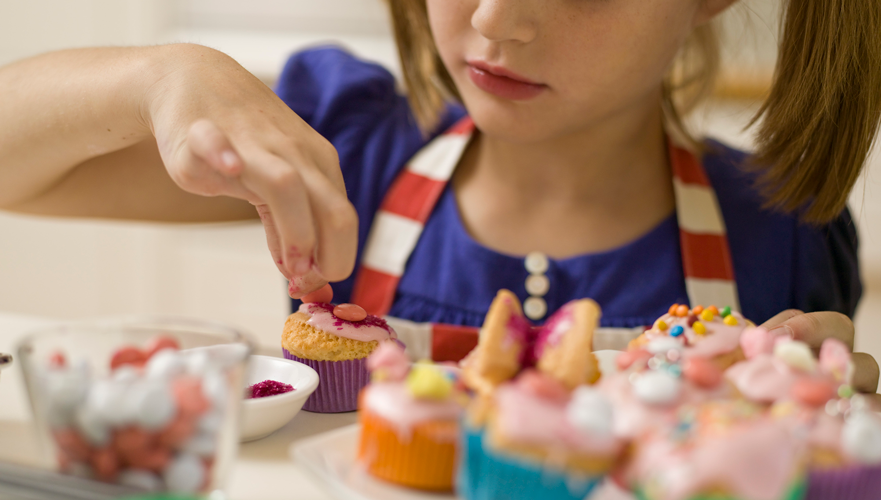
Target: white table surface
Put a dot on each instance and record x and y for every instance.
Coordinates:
(263, 470)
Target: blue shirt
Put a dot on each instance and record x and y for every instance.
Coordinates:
(779, 263)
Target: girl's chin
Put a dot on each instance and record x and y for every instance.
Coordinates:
(518, 125)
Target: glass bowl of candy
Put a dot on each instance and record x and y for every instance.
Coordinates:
(151, 404)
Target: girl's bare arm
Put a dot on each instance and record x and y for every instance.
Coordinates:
(175, 133)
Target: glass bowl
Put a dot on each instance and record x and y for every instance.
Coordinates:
(148, 403)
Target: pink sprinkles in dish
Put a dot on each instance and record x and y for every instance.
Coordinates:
(268, 388)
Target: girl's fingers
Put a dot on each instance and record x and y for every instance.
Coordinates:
(780, 318)
(813, 328)
(300, 286)
(337, 225)
(865, 375)
(273, 240)
(284, 192)
(209, 143)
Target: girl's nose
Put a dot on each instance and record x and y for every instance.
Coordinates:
(506, 20)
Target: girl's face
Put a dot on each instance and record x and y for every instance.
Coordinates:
(531, 70)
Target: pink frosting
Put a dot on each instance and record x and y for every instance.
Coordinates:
(763, 379)
(393, 402)
(634, 418)
(756, 461)
(718, 339)
(826, 431)
(526, 418)
(389, 358)
(371, 328)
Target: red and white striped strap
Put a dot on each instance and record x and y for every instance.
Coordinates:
(398, 225)
(706, 257)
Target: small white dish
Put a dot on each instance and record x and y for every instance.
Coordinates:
(263, 416)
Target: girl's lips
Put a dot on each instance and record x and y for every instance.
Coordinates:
(503, 86)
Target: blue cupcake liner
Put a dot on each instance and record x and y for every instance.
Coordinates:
(487, 475)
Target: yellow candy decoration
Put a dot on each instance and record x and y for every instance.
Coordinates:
(730, 320)
(427, 382)
(699, 328)
(661, 325)
(707, 315)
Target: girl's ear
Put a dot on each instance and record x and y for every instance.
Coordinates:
(708, 9)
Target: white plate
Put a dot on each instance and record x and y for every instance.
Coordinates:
(331, 458)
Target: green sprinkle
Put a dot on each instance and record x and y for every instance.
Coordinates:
(726, 311)
(845, 391)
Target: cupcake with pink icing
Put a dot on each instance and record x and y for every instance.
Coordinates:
(335, 341)
(814, 396)
(535, 429)
(726, 449)
(654, 382)
(709, 333)
(409, 419)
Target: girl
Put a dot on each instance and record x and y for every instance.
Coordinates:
(569, 175)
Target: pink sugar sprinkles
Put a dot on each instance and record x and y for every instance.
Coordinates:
(268, 388)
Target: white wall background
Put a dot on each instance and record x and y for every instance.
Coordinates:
(73, 269)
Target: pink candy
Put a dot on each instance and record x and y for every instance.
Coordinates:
(755, 341)
(835, 359)
(627, 358)
(350, 312)
(702, 372)
(543, 386)
(128, 356)
(813, 392)
(390, 360)
(323, 294)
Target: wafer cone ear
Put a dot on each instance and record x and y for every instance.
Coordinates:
(568, 355)
(502, 341)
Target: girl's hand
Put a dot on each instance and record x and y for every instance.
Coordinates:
(814, 328)
(222, 132)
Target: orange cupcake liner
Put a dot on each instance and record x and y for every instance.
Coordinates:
(426, 459)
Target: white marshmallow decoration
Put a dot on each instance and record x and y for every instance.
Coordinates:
(796, 354)
(203, 444)
(197, 362)
(184, 474)
(107, 401)
(664, 345)
(657, 388)
(590, 412)
(125, 374)
(861, 438)
(214, 387)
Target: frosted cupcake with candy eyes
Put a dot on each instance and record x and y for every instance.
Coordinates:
(409, 419)
(335, 341)
(710, 333)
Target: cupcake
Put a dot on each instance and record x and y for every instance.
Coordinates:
(335, 341)
(708, 333)
(815, 397)
(654, 381)
(727, 449)
(410, 421)
(534, 428)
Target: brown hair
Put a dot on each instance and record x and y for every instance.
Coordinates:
(817, 125)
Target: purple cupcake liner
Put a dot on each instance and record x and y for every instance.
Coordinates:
(850, 483)
(339, 383)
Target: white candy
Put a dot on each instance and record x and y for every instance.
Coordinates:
(657, 387)
(125, 374)
(151, 404)
(107, 401)
(165, 364)
(795, 354)
(184, 474)
(214, 387)
(203, 444)
(590, 411)
(140, 479)
(92, 426)
(664, 345)
(197, 362)
(66, 389)
(861, 438)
